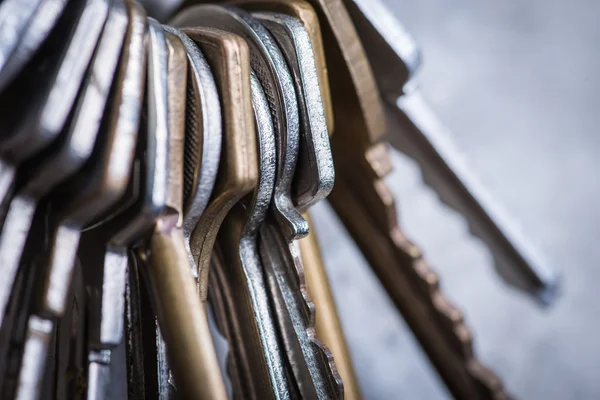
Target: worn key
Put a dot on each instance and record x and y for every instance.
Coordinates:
(237, 288)
(54, 77)
(276, 85)
(416, 131)
(237, 175)
(327, 325)
(81, 198)
(42, 23)
(314, 175)
(363, 202)
(271, 69)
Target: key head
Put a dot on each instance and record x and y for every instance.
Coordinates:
(103, 180)
(271, 69)
(229, 59)
(148, 187)
(203, 135)
(57, 74)
(314, 175)
(305, 13)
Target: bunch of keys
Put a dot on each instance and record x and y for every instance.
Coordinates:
(155, 185)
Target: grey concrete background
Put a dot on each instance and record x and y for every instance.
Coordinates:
(517, 82)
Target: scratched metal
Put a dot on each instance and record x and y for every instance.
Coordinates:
(271, 69)
(245, 310)
(315, 174)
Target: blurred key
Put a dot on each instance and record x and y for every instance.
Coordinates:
(416, 131)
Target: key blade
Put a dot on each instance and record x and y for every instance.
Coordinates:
(422, 137)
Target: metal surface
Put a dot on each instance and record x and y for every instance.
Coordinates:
(311, 362)
(41, 122)
(271, 69)
(229, 59)
(314, 173)
(417, 132)
(42, 23)
(203, 139)
(305, 13)
(238, 291)
(80, 141)
(14, 20)
(362, 162)
(327, 325)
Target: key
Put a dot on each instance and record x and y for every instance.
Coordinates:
(303, 12)
(328, 326)
(314, 172)
(55, 77)
(80, 198)
(42, 22)
(177, 85)
(417, 132)
(362, 162)
(276, 85)
(238, 171)
(202, 369)
(272, 71)
(237, 288)
(182, 318)
(203, 139)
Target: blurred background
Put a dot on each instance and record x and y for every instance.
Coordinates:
(517, 83)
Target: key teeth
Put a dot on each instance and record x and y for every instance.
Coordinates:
(310, 316)
(451, 318)
(547, 290)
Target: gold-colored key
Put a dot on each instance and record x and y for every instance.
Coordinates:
(229, 59)
(327, 324)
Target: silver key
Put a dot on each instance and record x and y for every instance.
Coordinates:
(80, 140)
(314, 173)
(417, 132)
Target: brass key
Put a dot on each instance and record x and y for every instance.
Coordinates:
(228, 58)
(417, 132)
